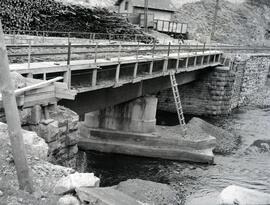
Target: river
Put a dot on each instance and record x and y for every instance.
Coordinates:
(198, 183)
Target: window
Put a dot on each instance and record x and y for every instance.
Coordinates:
(126, 5)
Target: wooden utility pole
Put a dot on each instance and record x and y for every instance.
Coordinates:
(214, 23)
(145, 15)
(13, 120)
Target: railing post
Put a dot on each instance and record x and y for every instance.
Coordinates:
(29, 54)
(117, 72)
(14, 37)
(153, 56)
(43, 37)
(169, 49)
(119, 52)
(94, 73)
(137, 62)
(94, 77)
(96, 53)
(68, 38)
(178, 57)
(203, 47)
(67, 74)
(202, 60)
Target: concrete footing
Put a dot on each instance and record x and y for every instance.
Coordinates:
(130, 128)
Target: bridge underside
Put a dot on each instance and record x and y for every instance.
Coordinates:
(102, 98)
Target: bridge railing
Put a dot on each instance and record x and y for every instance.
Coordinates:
(37, 53)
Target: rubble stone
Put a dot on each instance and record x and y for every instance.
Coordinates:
(76, 180)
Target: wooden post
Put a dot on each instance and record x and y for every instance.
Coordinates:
(13, 120)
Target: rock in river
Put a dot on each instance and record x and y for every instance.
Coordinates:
(235, 195)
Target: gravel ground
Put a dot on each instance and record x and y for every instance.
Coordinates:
(45, 175)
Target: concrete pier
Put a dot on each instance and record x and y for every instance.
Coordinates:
(136, 116)
(130, 128)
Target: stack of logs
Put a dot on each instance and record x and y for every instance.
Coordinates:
(51, 15)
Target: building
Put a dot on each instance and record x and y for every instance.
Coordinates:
(160, 9)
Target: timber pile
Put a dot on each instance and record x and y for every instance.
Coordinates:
(51, 15)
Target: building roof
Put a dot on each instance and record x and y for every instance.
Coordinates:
(152, 4)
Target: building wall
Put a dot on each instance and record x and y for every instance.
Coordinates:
(163, 15)
(122, 7)
(221, 90)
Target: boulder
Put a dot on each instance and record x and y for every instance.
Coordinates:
(18, 80)
(260, 146)
(149, 192)
(68, 200)
(70, 183)
(35, 145)
(105, 196)
(233, 195)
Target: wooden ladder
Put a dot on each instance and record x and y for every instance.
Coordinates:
(177, 101)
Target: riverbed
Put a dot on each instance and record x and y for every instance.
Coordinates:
(198, 183)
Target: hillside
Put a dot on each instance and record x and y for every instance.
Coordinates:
(241, 23)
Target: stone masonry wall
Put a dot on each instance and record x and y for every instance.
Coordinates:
(207, 96)
(254, 75)
(222, 89)
(58, 127)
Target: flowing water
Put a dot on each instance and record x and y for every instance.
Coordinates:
(200, 184)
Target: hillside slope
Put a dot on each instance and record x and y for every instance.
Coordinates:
(242, 23)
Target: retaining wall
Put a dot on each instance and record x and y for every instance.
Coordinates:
(59, 130)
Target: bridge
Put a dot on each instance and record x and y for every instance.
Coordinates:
(110, 81)
(116, 86)
(116, 97)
